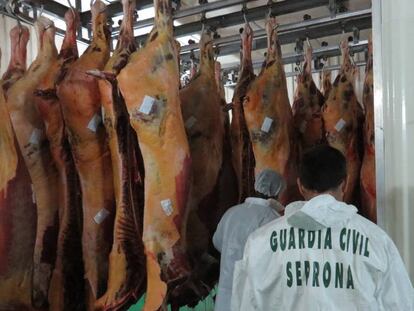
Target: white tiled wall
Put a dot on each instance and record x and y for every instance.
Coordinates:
(394, 39)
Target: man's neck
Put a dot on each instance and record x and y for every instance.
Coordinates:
(336, 194)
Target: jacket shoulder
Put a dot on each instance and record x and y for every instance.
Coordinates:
(269, 227)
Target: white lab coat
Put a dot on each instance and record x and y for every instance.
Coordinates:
(231, 236)
(282, 269)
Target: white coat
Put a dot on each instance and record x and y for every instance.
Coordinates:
(321, 256)
(230, 238)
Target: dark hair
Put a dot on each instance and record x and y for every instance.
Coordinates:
(322, 168)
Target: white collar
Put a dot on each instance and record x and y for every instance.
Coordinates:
(324, 210)
(274, 204)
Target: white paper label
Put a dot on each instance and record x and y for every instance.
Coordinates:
(100, 216)
(36, 137)
(190, 122)
(94, 122)
(167, 207)
(33, 194)
(267, 124)
(340, 125)
(147, 105)
(302, 127)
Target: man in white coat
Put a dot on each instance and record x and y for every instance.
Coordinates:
(237, 224)
(322, 255)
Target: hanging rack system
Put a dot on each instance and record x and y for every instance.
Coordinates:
(351, 22)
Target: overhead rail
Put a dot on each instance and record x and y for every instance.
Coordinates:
(237, 18)
(288, 33)
(292, 58)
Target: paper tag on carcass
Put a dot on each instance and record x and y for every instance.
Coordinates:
(190, 122)
(340, 125)
(302, 127)
(101, 215)
(36, 137)
(94, 122)
(167, 207)
(267, 124)
(33, 194)
(147, 104)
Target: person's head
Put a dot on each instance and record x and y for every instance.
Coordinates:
(322, 171)
(268, 184)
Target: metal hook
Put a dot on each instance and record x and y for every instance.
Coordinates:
(11, 9)
(308, 42)
(41, 10)
(70, 5)
(244, 11)
(269, 9)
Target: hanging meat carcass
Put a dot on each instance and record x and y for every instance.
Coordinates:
(340, 116)
(81, 105)
(29, 130)
(127, 260)
(204, 122)
(326, 82)
(226, 188)
(19, 36)
(150, 86)
(307, 104)
(17, 209)
(269, 117)
(66, 285)
(368, 186)
(202, 108)
(242, 151)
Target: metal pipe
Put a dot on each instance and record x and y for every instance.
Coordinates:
(291, 58)
(237, 18)
(30, 21)
(284, 29)
(198, 9)
(296, 73)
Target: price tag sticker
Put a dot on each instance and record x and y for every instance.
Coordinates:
(266, 125)
(100, 216)
(94, 122)
(340, 125)
(36, 137)
(147, 105)
(167, 207)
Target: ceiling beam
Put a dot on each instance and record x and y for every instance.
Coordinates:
(237, 18)
(291, 58)
(288, 33)
(191, 11)
(55, 8)
(113, 9)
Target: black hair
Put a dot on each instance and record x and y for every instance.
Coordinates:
(322, 168)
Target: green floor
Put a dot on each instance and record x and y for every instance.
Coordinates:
(205, 305)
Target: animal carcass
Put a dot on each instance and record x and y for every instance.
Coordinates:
(242, 151)
(150, 86)
(17, 209)
(340, 116)
(80, 99)
(269, 117)
(19, 36)
(29, 130)
(307, 104)
(66, 285)
(127, 260)
(325, 79)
